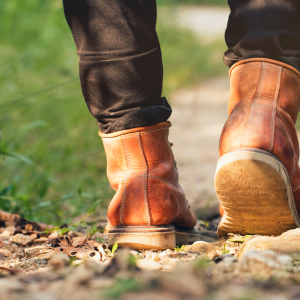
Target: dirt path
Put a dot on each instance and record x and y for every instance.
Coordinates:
(198, 118)
(207, 22)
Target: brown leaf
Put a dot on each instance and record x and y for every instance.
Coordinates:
(93, 244)
(54, 235)
(5, 252)
(34, 235)
(64, 243)
(84, 253)
(41, 240)
(79, 241)
(71, 251)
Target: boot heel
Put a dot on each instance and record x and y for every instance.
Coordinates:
(143, 237)
(255, 191)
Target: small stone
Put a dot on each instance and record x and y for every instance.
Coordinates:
(54, 235)
(59, 261)
(178, 254)
(5, 233)
(21, 239)
(41, 240)
(156, 257)
(287, 243)
(6, 253)
(36, 251)
(203, 248)
(263, 264)
(148, 265)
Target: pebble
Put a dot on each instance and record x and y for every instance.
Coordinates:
(6, 253)
(54, 235)
(21, 239)
(288, 243)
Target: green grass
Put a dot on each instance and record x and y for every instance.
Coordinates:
(44, 117)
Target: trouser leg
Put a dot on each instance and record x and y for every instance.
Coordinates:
(120, 61)
(264, 29)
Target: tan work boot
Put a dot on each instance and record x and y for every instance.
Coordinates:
(258, 178)
(149, 203)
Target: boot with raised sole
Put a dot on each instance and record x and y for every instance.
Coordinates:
(258, 177)
(149, 209)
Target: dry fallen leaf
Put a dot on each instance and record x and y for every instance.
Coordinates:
(79, 241)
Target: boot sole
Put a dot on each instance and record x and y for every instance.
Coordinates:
(255, 191)
(150, 237)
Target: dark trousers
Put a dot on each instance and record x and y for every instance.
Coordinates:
(120, 58)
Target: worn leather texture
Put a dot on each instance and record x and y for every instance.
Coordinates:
(263, 107)
(142, 170)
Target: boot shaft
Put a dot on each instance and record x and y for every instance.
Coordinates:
(142, 170)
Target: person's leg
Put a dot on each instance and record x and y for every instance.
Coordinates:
(258, 176)
(121, 78)
(120, 61)
(263, 29)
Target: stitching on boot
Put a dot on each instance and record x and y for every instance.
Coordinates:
(125, 136)
(295, 162)
(167, 183)
(127, 158)
(243, 67)
(282, 118)
(144, 180)
(291, 75)
(296, 186)
(253, 65)
(251, 109)
(123, 201)
(120, 137)
(125, 180)
(272, 131)
(148, 132)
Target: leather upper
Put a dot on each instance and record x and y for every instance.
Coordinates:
(142, 170)
(263, 107)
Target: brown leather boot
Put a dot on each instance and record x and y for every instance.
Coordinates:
(149, 202)
(258, 178)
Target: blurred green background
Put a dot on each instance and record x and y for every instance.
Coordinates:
(52, 163)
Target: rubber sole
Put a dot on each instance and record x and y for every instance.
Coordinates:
(150, 237)
(255, 191)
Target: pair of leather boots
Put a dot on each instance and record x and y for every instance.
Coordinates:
(257, 178)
